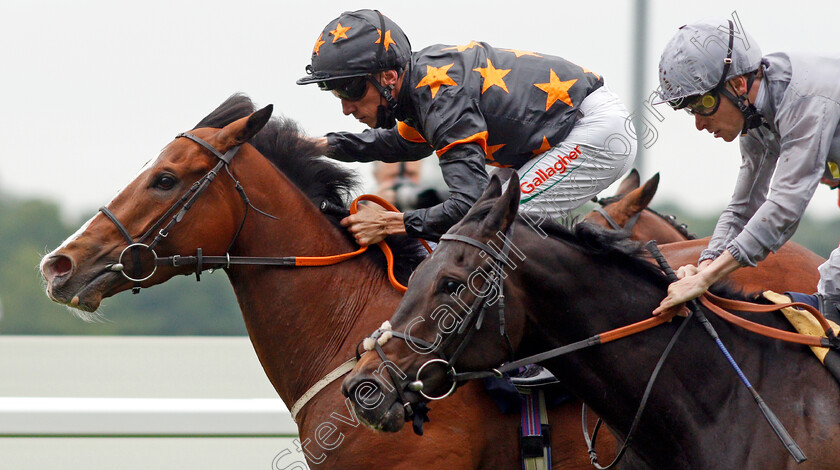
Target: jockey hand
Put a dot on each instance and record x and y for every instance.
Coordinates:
(831, 183)
(694, 282)
(322, 147)
(370, 226)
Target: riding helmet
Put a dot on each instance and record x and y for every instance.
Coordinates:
(355, 44)
(694, 59)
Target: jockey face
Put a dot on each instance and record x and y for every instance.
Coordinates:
(364, 109)
(728, 121)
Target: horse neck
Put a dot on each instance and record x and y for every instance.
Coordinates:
(303, 322)
(652, 226)
(573, 297)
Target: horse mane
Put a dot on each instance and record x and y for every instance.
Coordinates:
(283, 143)
(616, 246)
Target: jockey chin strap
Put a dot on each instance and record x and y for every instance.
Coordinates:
(385, 114)
(752, 118)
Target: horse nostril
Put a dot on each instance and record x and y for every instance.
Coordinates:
(58, 266)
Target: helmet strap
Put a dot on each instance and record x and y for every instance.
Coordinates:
(385, 117)
(752, 118)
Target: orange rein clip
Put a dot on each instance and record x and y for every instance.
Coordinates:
(389, 256)
(335, 259)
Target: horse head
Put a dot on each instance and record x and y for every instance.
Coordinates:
(453, 299)
(628, 210)
(116, 249)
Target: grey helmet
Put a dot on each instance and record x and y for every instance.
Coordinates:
(698, 62)
(694, 60)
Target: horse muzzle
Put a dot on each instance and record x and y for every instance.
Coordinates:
(68, 284)
(375, 405)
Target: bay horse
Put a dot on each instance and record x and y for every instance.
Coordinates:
(631, 201)
(629, 210)
(570, 285)
(302, 322)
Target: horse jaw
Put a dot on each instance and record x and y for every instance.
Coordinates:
(392, 419)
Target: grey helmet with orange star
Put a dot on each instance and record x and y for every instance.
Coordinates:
(352, 48)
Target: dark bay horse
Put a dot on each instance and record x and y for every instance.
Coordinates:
(570, 285)
(303, 322)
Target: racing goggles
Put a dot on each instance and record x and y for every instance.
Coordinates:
(702, 105)
(350, 89)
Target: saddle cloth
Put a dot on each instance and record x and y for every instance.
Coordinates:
(804, 323)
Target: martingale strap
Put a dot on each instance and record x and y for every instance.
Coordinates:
(336, 373)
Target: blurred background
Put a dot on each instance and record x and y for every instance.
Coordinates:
(91, 90)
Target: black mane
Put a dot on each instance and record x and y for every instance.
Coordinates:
(614, 245)
(283, 143)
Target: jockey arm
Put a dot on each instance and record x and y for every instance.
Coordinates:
(799, 165)
(462, 168)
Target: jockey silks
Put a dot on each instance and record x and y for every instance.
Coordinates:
(473, 104)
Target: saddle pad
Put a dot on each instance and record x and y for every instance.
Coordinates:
(802, 321)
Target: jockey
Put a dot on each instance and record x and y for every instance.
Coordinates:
(552, 121)
(785, 109)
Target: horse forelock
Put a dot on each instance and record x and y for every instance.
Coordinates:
(284, 144)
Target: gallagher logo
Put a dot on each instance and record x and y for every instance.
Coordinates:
(560, 167)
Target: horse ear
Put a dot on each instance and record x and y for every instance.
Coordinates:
(242, 130)
(504, 210)
(629, 183)
(640, 198)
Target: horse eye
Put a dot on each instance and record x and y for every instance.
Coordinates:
(165, 182)
(450, 286)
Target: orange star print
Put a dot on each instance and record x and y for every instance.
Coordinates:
(521, 53)
(492, 76)
(464, 47)
(319, 43)
(543, 148)
(557, 90)
(388, 40)
(436, 77)
(488, 157)
(340, 32)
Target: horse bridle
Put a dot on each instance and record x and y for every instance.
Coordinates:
(670, 219)
(471, 324)
(186, 201)
(475, 319)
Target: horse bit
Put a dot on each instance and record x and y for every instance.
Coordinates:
(473, 321)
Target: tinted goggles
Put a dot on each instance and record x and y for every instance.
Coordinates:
(350, 89)
(702, 105)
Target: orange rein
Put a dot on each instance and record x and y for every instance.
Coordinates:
(389, 255)
(718, 304)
